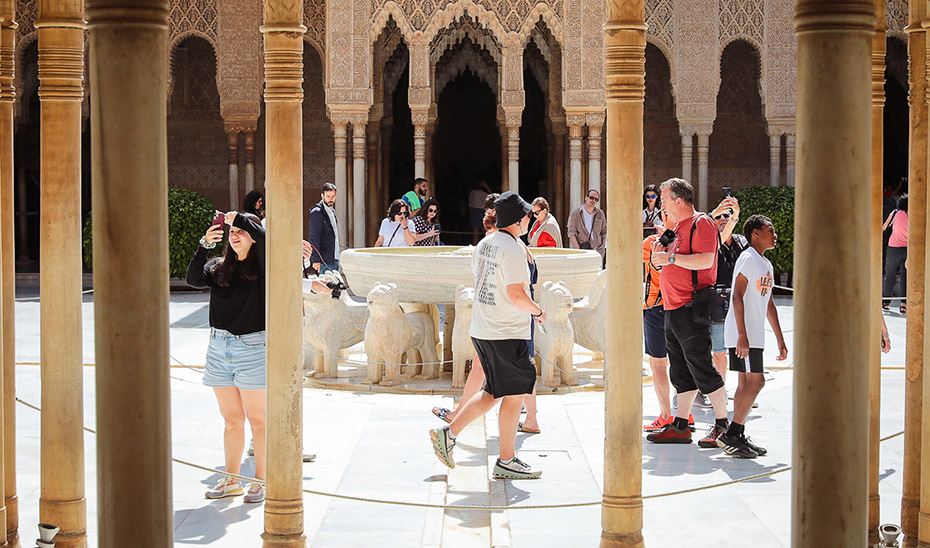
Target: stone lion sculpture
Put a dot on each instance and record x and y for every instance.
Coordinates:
(389, 334)
(554, 345)
(462, 348)
(590, 316)
(329, 326)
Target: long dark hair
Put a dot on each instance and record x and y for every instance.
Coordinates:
(424, 210)
(652, 188)
(395, 207)
(252, 198)
(230, 266)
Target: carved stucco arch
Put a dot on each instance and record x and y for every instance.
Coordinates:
(173, 46)
(549, 17)
(482, 37)
(20, 52)
(386, 12)
(468, 59)
(757, 47)
(666, 52)
(481, 16)
(318, 49)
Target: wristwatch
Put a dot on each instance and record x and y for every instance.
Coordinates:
(671, 258)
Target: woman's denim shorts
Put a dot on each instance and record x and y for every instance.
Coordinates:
(235, 360)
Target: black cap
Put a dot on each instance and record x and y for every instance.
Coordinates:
(510, 208)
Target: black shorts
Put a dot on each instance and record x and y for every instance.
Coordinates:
(508, 369)
(690, 366)
(654, 331)
(739, 364)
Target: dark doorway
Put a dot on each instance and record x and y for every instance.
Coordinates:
(534, 141)
(896, 114)
(401, 145)
(466, 149)
(662, 141)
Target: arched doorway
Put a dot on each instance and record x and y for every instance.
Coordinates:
(534, 133)
(467, 141)
(318, 142)
(739, 144)
(896, 112)
(661, 138)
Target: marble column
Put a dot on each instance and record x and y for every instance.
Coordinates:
(283, 45)
(559, 131)
(687, 151)
(915, 352)
(9, 516)
(575, 133)
(359, 127)
(832, 342)
(420, 117)
(513, 152)
(61, 75)
(703, 147)
(233, 148)
(774, 159)
(789, 159)
(428, 152)
(505, 166)
(372, 209)
(875, 268)
(129, 74)
(625, 49)
(595, 122)
(340, 136)
(248, 141)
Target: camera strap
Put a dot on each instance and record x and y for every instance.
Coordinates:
(694, 280)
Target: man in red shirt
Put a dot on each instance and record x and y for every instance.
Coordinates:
(689, 263)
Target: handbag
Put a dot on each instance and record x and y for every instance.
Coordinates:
(702, 300)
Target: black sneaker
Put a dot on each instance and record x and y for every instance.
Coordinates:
(736, 446)
(709, 440)
(761, 451)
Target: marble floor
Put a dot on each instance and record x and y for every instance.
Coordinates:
(375, 445)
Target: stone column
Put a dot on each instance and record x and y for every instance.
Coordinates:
(248, 138)
(9, 516)
(832, 342)
(914, 349)
(61, 75)
(875, 268)
(233, 146)
(559, 131)
(687, 151)
(420, 118)
(129, 76)
(625, 50)
(575, 132)
(703, 147)
(774, 159)
(789, 159)
(371, 190)
(513, 151)
(340, 136)
(505, 166)
(595, 122)
(359, 127)
(284, 507)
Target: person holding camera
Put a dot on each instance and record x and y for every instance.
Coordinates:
(235, 364)
(688, 257)
(587, 225)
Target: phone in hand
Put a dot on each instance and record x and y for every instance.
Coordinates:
(727, 193)
(219, 218)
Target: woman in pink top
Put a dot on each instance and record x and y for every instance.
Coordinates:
(897, 254)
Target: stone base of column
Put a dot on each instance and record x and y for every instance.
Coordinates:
(12, 520)
(71, 516)
(612, 540)
(285, 516)
(910, 509)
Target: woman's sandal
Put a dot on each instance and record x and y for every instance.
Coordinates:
(525, 430)
(442, 413)
(903, 309)
(886, 305)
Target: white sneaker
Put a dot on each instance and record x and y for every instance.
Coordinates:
(226, 487)
(514, 469)
(256, 493)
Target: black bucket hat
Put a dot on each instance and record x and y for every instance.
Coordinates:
(510, 208)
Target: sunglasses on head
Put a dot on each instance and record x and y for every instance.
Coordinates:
(594, 199)
(722, 216)
(651, 196)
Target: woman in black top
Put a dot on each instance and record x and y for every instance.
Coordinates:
(426, 223)
(254, 203)
(235, 364)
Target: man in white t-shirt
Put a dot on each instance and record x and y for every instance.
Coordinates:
(500, 331)
(744, 330)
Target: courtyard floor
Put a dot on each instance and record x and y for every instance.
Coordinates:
(376, 446)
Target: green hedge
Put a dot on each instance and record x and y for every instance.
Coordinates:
(189, 216)
(776, 203)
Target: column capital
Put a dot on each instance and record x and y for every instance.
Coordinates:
(284, 62)
(850, 15)
(240, 126)
(419, 116)
(595, 120)
(695, 127)
(7, 60)
(61, 61)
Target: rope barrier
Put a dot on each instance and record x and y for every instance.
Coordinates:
(488, 508)
(791, 289)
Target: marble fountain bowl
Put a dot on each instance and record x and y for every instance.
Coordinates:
(431, 274)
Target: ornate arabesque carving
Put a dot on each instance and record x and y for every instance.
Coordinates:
(896, 16)
(192, 16)
(466, 55)
(744, 18)
(661, 23)
(510, 15)
(27, 13)
(315, 21)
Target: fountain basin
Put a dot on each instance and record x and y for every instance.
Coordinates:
(431, 274)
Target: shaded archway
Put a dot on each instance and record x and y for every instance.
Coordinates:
(26, 158)
(197, 150)
(396, 125)
(661, 138)
(534, 130)
(318, 143)
(896, 112)
(739, 144)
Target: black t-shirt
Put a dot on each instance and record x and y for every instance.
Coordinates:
(240, 306)
(726, 259)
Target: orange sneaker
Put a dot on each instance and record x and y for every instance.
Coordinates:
(657, 424)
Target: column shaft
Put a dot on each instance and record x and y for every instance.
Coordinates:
(831, 378)
(789, 160)
(594, 155)
(61, 71)
(559, 178)
(9, 518)
(340, 135)
(233, 144)
(774, 159)
(248, 138)
(622, 505)
(513, 155)
(371, 190)
(687, 151)
(703, 146)
(284, 511)
(130, 174)
(505, 166)
(575, 191)
(914, 349)
(358, 181)
(420, 118)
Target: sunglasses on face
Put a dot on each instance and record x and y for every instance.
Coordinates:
(432, 210)
(722, 216)
(535, 212)
(594, 199)
(651, 196)
(404, 213)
